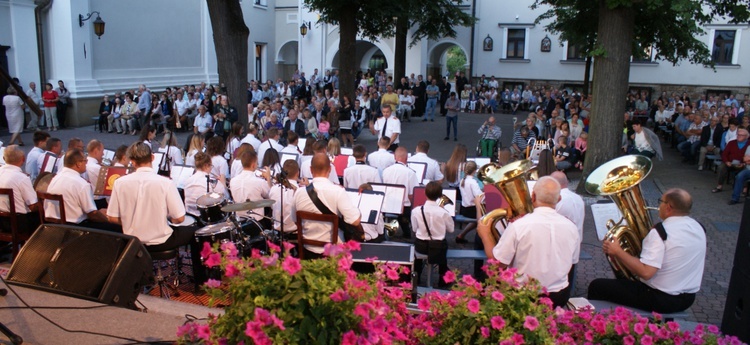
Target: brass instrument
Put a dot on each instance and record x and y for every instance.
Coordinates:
(392, 226)
(619, 179)
(511, 181)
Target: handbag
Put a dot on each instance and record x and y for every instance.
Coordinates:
(355, 233)
(436, 249)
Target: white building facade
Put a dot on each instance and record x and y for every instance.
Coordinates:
(170, 42)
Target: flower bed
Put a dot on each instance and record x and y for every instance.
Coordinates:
(278, 300)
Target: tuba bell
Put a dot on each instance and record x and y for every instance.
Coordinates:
(511, 181)
(619, 179)
(444, 200)
(391, 227)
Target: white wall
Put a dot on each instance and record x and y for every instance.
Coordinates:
(18, 31)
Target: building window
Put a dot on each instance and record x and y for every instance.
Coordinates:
(261, 2)
(575, 52)
(723, 47)
(516, 43)
(645, 57)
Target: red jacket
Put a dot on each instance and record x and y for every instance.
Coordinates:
(733, 152)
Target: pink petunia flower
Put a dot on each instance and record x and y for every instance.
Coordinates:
(291, 265)
(647, 340)
(349, 338)
(485, 332)
(473, 305)
(213, 260)
(229, 249)
(639, 328)
(628, 340)
(391, 274)
(423, 304)
(204, 332)
(207, 250)
(498, 296)
(231, 270)
(497, 322)
(339, 296)
(213, 283)
(449, 277)
(517, 339)
(531, 323)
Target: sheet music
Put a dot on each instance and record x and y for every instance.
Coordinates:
(301, 143)
(180, 174)
(369, 204)
(347, 151)
(2, 155)
(157, 159)
(420, 168)
(394, 197)
(481, 161)
(109, 154)
(303, 159)
(602, 213)
(451, 194)
(285, 156)
(50, 163)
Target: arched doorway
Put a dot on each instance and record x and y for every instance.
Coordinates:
(446, 58)
(368, 56)
(286, 60)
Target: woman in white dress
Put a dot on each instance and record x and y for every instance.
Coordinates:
(14, 113)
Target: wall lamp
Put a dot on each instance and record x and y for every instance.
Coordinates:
(98, 23)
(304, 28)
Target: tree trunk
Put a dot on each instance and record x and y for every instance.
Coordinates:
(611, 74)
(587, 76)
(347, 54)
(230, 42)
(399, 68)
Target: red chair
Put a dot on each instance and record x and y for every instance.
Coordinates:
(14, 236)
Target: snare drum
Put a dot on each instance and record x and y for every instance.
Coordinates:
(188, 222)
(209, 206)
(250, 227)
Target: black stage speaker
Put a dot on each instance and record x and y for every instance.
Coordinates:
(101, 266)
(736, 320)
(742, 253)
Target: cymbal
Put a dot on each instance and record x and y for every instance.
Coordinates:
(248, 205)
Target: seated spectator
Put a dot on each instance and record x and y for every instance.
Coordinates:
(565, 155)
(689, 147)
(710, 136)
(520, 142)
(645, 142)
(732, 159)
(581, 145)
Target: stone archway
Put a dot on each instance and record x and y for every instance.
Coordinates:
(368, 55)
(286, 60)
(438, 56)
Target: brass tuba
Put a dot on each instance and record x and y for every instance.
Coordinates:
(619, 179)
(511, 181)
(444, 200)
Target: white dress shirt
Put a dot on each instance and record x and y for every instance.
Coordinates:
(393, 126)
(195, 187)
(268, 144)
(336, 199)
(438, 218)
(175, 155)
(680, 259)
(381, 159)
(92, 174)
(249, 187)
(32, 162)
(433, 167)
(469, 190)
(252, 140)
(571, 206)
(190, 158)
(360, 173)
(77, 196)
(40, 163)
(24, 195)
(306, 172)
(203, 123)
(220, 166)
(144, 200)
(402, 175)
(290, 211)
(540, 244)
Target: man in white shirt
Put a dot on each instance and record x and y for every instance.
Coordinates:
(306, 170)
(251, 137)
(333, 197)
(670, 267)
(77, 194)
(203, 122)
(289, 214)
(181, 106)
(401, 174)
(387, 126)
(439, 222)
(271, 143)
(195, 185)
(381, 159)
(53, 146)
(540, 244)
(291, 147)
(571, 206)
(37, 99)
(433, 167)
(360, 173)
(247, 186)
(25, 200)
(95, 150)
(32, 161)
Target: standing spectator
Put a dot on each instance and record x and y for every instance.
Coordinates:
(62, 103)
(50, 97)
(14, 113)
(445, 90)
(105, 109)
(144, 104)
(453, 105)
(34, 120)
(433, 94)
(419, 96)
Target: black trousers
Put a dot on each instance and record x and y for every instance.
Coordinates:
(184, 235)
(421, 247)
(638, 295)
(404, 222)
(560, 298)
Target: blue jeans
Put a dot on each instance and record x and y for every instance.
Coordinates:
(739, 183)
(448, 121)
(429, 112)
(689, 149)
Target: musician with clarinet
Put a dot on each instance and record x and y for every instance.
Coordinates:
(670, 266)
(541, 244)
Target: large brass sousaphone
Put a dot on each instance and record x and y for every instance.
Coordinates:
(511, 181)
(619, 179)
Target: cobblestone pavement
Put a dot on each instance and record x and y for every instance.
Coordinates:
(721, 221)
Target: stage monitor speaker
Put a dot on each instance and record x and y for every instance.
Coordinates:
(101, 266)
(736, 320)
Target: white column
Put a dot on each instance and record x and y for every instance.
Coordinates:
(24, 56)
(208, 50)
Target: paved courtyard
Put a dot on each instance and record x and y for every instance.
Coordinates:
(721, 221)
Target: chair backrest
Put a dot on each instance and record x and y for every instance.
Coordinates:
(493, 198)
(340, 162)
(60, 203)
(13, 235)
(303, 216)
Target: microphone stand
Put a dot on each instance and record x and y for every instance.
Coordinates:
(284, 184)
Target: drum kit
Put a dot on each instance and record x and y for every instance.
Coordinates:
(222, 225)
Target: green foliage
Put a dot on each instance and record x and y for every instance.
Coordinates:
(456, 60)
